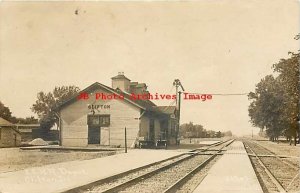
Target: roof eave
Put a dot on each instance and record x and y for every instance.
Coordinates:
(88, 89)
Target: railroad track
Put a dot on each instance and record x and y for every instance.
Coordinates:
(176, 170)
(274, 173)
(269, 153)
(178, 184)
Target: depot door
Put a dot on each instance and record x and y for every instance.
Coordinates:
(94, 135)
(95, 122)
(93, 129)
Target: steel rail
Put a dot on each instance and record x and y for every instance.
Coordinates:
(268, 172)
(210, 146)
(145, 176)
(278, 157)
(151, 173)
(189, 154)
(120, 175)
(189, 175)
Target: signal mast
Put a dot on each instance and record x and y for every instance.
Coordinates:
(178, 84)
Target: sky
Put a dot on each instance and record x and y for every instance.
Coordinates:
(212, 46)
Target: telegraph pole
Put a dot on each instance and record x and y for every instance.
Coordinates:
(179, 106)
(177, 83)
(125, 140)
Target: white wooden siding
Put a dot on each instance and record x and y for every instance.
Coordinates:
(74, 131)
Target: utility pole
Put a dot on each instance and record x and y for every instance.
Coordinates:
(177, 83)
(125, 140)
(179, 107)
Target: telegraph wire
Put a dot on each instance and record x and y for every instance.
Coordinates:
(219, 94)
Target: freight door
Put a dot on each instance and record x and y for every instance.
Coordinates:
(94, 135)
(95, 124)
(93, 129)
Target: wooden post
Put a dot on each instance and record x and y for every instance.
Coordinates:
(179, 108)
(177, 83)
(125, 140)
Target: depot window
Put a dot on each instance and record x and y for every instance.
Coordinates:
(99, 120)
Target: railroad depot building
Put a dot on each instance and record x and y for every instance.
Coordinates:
(102, 122)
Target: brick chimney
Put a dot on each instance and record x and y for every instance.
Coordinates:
(121, 81)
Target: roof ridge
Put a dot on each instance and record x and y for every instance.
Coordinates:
(143, 104)
(4, 122)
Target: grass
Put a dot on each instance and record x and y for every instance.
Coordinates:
(13, 159)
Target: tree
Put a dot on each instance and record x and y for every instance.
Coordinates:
(27, 120)
(275, 102)
(288, 78)
(186, 130)
(5, 113)
(46, 102)
(189, 130)
(228, 133)
(266, 107)
(218, 134)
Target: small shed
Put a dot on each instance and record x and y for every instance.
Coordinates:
(9, 135)
(29, 131)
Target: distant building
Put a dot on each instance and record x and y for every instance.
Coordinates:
(28, 131)
(9, 135)
(102, 121)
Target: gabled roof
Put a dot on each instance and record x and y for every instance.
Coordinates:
(165, 109)
(136, 84)
(8, 125)
(143, 104)
(5, 123)
(133, 83)
(140, 85)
